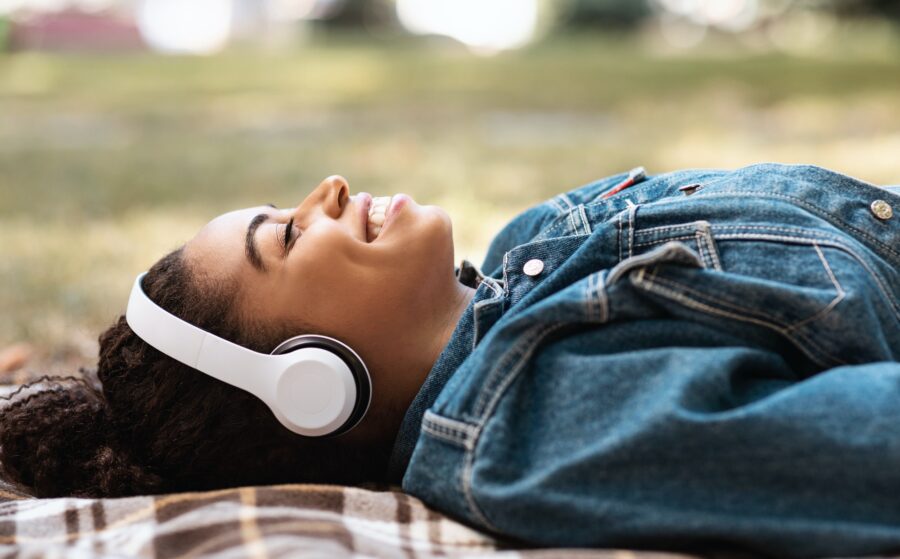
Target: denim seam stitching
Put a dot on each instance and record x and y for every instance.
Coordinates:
(804, 231)
(664, 240)
(573, 229)
(584, 220)
(800, 202)
(807, 239)
(599, 296)
(559, 208)
(632, 210)
(427, 430)
(637, 260)
(551, 230)
(596, 298)
(484, 414)
(835, 242)
(619, 234)
(660, 228)
(505, 264)
(708, 249)
(827, 242)
(834, 302)
(443, 435)
(713, 249)
(701, 250)
(492, 284)
(561, 203)
(734, 306)
(813, 346)
(510, 355)
(451, 429)
(653, 285)
(720, 227)
(449, 425)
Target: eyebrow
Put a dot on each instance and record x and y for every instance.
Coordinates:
(250, 240)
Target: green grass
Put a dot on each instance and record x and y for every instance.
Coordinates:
(108, 161)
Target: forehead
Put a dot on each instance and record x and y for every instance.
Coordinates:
(219, 245)
(236, 219)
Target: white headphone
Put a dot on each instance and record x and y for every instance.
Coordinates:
(315, 385)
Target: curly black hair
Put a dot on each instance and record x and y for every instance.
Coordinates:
(148, 424)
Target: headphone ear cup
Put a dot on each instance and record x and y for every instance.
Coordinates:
(353, 361)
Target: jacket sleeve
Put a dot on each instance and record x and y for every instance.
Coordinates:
(672, 444)
(655, 429)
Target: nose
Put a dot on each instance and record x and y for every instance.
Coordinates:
(331, 196)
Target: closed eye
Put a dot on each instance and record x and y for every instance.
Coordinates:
(287, 236)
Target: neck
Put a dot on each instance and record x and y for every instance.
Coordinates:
(383, 421)
(436, 339)
(461, 297)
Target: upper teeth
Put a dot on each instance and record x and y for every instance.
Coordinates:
(376, 216)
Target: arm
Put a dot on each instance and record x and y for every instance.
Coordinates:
(672, 424)
(693, 444)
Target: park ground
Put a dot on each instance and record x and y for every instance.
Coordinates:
(109, 161)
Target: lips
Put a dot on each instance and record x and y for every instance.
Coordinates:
(379, 212)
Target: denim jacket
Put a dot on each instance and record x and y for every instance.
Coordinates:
(706, 358)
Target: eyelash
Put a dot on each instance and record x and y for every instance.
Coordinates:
(286, 237)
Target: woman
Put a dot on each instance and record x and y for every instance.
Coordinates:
(692, 358)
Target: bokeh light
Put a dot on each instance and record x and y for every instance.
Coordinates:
(188, 27)
(485, 27)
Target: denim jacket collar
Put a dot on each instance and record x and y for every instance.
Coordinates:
(454, 353)
(468, 274)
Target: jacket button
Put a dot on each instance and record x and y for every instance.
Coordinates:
(533, 267)
(881, 209)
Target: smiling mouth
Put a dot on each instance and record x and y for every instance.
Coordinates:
(377, 211)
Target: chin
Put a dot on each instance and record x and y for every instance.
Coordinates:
(441, 214)
(442, 223)
(433, 232)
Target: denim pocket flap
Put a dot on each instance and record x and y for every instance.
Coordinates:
(785, 283)
(672, 252)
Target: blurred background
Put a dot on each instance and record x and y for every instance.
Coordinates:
(126, 125)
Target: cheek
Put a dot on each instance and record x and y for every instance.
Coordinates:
(323, 269)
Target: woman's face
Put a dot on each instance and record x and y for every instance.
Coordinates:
(384, 298)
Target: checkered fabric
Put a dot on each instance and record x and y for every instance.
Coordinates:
(297, 520)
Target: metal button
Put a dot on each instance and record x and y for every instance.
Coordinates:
(881, 209)
(533, 267)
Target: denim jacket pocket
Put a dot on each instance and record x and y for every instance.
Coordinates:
(783, 283)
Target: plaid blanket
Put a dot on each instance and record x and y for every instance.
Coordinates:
(297, 520)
